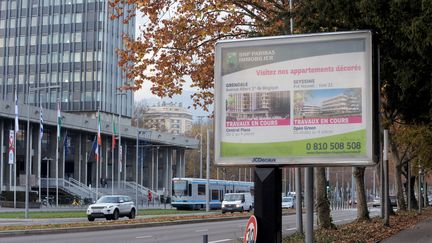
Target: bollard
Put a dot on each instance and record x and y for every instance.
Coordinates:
(205, 238)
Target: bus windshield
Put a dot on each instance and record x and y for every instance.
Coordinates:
(179, 188)
(233, 197)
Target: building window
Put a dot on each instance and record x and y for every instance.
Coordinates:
(77, 37)
(78, 18)
(34, 21)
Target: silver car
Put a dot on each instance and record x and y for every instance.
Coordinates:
(111, 208)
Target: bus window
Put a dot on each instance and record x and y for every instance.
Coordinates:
(201, 189)
(214, 195)
(190, 190)
(179, 188)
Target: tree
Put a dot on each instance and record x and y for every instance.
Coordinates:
(404, 40)
(177, 41)
(362, 210)
(322, 201)
(410, 148)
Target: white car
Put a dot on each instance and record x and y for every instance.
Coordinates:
(287, 202)
(111, 208)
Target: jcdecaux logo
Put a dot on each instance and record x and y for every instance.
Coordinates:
(263, 160)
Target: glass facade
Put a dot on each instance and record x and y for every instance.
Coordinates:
(70, 44)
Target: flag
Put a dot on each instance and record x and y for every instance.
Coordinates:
(66, 144)
(16, 113)
(41, 122)
(93, 148)
(99, 138)
(59, 120)
(113, 142)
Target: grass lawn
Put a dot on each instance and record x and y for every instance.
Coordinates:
(82, 214)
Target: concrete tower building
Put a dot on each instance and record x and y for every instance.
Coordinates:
(68, 44)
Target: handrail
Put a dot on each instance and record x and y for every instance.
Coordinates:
(81, 191)
(141, 188)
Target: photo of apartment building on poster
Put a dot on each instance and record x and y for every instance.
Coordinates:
(294, 100)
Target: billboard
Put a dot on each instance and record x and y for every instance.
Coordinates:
(296, 100)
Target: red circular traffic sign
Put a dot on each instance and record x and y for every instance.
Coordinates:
(251, 231)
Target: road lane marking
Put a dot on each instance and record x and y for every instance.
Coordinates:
(201, 230)
(217, 241)
(144, 236)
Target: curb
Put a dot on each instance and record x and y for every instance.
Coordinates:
(109, 227)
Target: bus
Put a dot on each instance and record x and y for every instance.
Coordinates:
(189, 193)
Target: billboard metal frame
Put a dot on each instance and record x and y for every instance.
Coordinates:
(369, 97)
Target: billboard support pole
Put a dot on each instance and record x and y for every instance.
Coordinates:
(309, 203)
(386, 181)
(268, 204)
(299, 218)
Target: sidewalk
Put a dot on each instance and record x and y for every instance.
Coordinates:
(421, 233)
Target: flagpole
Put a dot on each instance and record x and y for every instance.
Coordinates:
(57, 149)
(64, 156)
(15, 138)
(40, 157)
(112, 155)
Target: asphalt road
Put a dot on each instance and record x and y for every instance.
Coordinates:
(218, 232)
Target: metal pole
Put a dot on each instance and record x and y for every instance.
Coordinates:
(85, 167)
(1, 155)
(27, 157)
(352, 188)
(106, 161)
(142, 165)
(119, 132)
(208, 172)
(64, 157)
(409, 186)
(166, 170)
(112, 166)
(157, 170)
(136, 167)
(201, 162)
(15, 148)
(386, 180)
(56, 170)
(79, 157)
(125, 161)
(309, 202)
(97, 167)
(27, 164)
(47, 188)
(299, 213)
(152, 169)
(419, 191)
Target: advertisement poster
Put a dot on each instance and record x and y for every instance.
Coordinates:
(294, 100)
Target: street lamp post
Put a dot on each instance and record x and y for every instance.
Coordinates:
(208, 172)
(136, 166)
(27, 164)
(200, 123)
(119, 133)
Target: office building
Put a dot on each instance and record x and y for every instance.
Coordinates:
(169, 117)
(67, 46)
